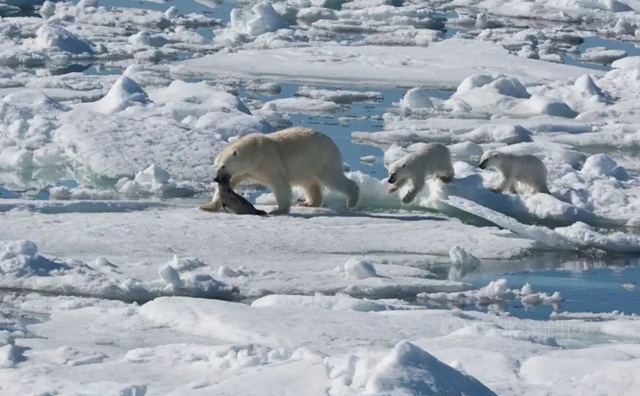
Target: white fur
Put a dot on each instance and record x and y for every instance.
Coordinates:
(527, 169)
(294, 156)
(432, 159)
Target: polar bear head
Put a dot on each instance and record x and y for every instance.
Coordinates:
(237, 158)
(492, 159)
(398, 171)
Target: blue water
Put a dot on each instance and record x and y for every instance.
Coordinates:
(595, 287)
(592, 42)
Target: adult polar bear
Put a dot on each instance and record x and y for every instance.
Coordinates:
(293, 156)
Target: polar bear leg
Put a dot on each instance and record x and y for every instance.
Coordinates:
(539, 183)
(418, 184)
(506, 185)
(216, 205)
(335, 179)
(282, 190)
(313, 194)
(543, 188)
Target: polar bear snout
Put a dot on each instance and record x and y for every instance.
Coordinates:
(392, 178)
(483, 164)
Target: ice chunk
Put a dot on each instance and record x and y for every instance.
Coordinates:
(300, 105)
(356, 269)
(416, 98)
(87, 3)
(171, 12)
(526, 290)
(462, 263)
(54, 36)
(47, 10)
(264, 19)
(628, 63)
(602, 55)
(153, 174)
(171, 276)
(491, 133)
(339, 96)
(147, 38)
(19, 259)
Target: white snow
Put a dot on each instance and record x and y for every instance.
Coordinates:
(112, 282)
(197, 346)
(441, 65)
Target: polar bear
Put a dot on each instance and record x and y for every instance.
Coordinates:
(527, 169)
(431, 159)
(293, 156)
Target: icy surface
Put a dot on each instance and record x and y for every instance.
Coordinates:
(112, 282)
(197, 346)
(441, 65)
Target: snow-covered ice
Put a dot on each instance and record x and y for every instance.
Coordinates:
(441, 65)
(113, 282)
(177, 345)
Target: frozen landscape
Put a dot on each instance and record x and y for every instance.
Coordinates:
(113, 282)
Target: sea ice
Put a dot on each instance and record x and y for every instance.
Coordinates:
(325, 282)
(437, 66)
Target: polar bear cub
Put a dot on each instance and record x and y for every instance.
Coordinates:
(527, 169)
(431, 159)
(292, 156)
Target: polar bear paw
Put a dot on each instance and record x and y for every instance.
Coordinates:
(211, 207)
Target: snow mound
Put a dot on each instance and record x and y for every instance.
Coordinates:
(57, 37)
(338, 302)
(540, 105)
(123, 94)
(602, 165)
(415, 99)
(264, 20)
(410, 370)
(356, 269)
(475, 81)
(20, 259)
